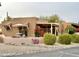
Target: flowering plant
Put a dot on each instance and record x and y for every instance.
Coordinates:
(35, 41)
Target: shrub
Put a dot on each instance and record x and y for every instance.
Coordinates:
(75, 38)
(64, 39)
(49, 39)
(70, 29)
(1, 40)
(37, 34)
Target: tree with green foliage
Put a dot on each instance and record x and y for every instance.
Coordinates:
(53, 19)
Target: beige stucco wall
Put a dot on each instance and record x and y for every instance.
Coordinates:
(10, 32)
(31, 28)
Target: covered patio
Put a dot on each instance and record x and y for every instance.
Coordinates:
(52, 28)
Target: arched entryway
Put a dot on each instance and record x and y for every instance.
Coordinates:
(22, 29)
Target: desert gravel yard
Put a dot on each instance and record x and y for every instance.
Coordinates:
(13, 50)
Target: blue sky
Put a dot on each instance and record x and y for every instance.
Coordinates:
(68, 11)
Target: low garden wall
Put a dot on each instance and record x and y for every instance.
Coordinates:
(21, 41)
(48, 39)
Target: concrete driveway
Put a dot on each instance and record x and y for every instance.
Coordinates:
(68, 52)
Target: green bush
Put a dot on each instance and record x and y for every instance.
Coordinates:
(75, 38)
(70, 29)
(64, 39)
(37, 34)
(49, 39)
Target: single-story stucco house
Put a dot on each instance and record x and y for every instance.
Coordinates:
(30, 26)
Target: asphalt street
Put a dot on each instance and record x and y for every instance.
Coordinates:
(68, 52)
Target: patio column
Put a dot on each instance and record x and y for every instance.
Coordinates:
(55, 30)
(51, 28)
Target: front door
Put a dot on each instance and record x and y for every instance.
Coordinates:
(23, 31)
